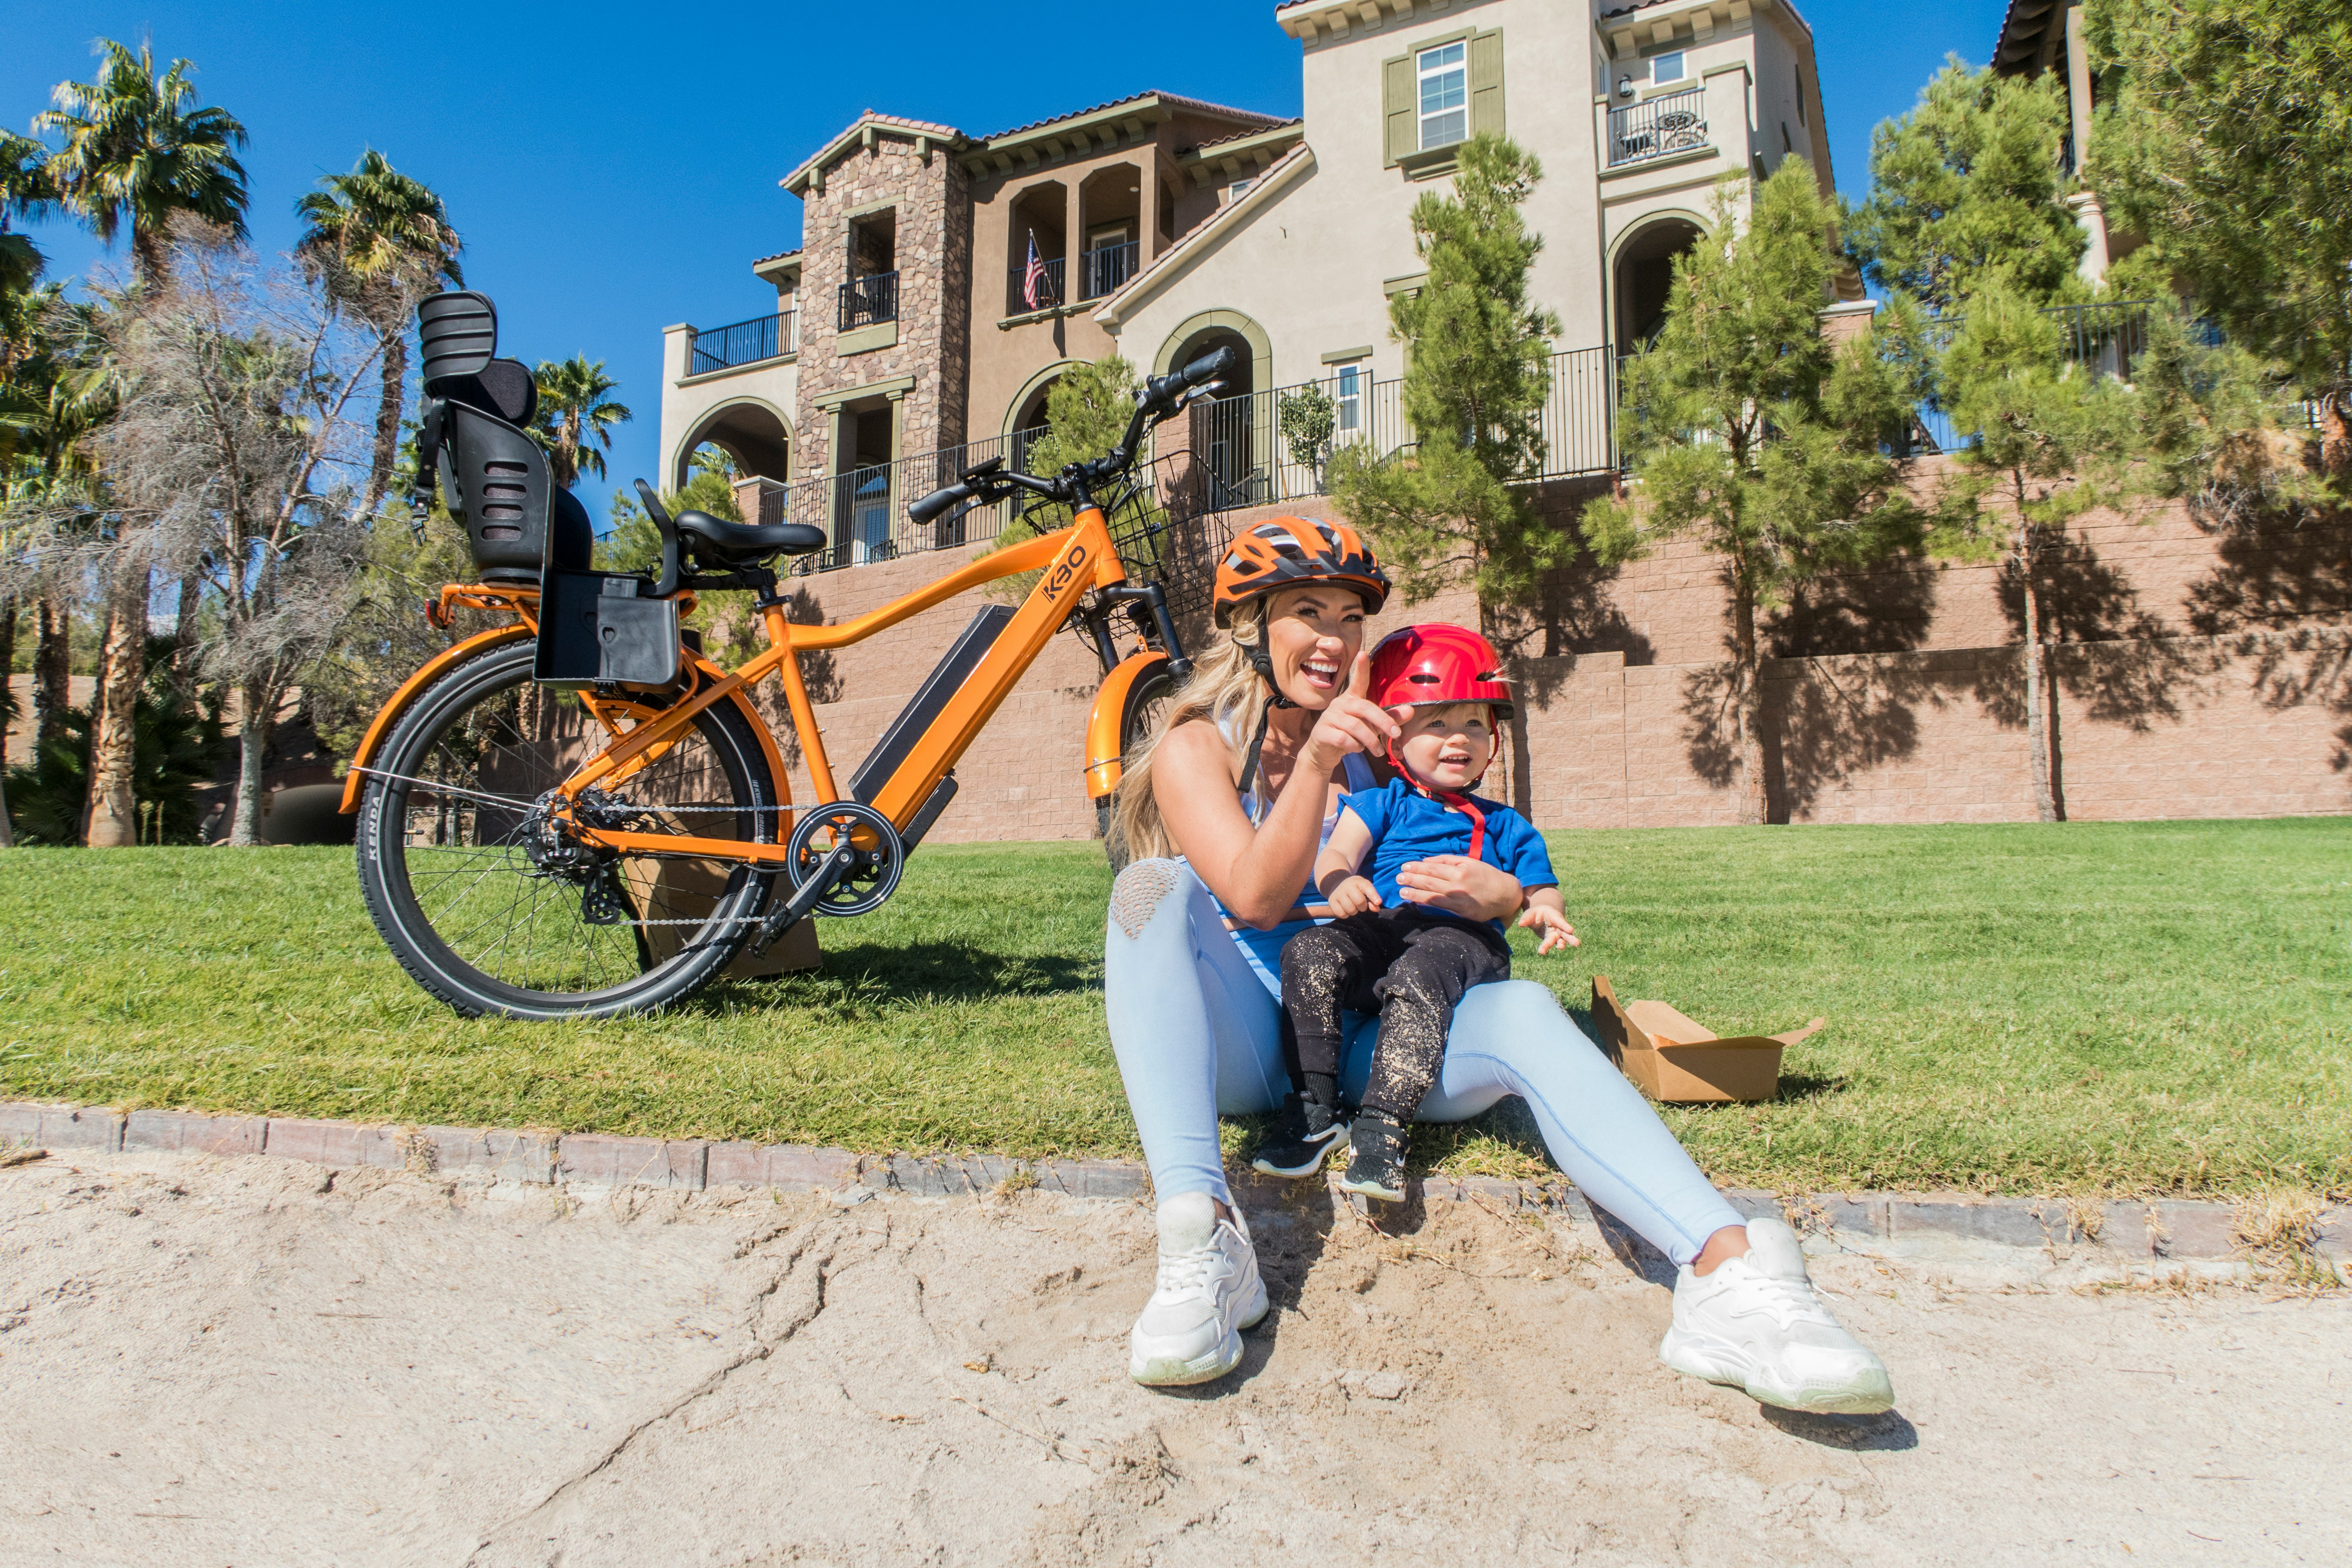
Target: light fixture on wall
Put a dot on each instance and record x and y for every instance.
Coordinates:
(1624, 87)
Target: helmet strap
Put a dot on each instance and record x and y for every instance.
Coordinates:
(1263, 665)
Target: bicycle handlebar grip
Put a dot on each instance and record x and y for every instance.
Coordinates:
(1211, 367)
(937, 501)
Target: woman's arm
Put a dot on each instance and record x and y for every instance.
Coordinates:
(1258, 872)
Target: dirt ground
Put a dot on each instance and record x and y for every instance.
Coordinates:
(253, 1362)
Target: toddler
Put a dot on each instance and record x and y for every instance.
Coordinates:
(1409, 963)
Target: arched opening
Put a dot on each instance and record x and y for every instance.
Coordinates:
(1027, 423)
(752, 435)
(1228, 432)
(1110, 209)
(1039, 214)
(1643, 277)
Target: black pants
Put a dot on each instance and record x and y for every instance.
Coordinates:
(1409, 966)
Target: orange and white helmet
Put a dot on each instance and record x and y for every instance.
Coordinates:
(1286, 552)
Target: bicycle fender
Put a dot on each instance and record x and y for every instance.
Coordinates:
(1103, 763)
(431, 671)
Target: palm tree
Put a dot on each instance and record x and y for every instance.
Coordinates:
(136, 148)
(26, 192)
(377, 240)
(574, 413)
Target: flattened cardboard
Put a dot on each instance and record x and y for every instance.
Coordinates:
(1674, 1058)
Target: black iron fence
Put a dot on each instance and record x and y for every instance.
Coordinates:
(2101, 340)
(742, 342)
(1021, 299)
(870, 300)
(1658, 128)
(1107, 267)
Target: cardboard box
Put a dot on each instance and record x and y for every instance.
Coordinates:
(689, 888)
(1670, 1057)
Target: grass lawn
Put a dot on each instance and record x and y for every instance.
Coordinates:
(2025, 1009)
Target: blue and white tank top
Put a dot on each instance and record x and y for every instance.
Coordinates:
(1262, 949)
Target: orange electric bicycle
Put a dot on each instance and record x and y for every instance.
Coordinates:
(574, 814)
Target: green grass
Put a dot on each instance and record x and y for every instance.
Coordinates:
(2126, 1008)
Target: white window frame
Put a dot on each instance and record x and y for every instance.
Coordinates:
(1235, 191)
(1658, 68)
(1347, 384)
(1449, 60)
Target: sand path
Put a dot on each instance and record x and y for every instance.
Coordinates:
(254, 1362)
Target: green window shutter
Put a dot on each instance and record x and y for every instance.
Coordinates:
(1486, 82)
(1399, 109)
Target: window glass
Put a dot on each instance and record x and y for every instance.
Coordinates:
(1233, 191)
(1666, 69)
(1445, 95)
(1351, 399)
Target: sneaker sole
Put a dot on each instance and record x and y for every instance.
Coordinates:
(1170, 1372)
(1267, 1167)
(1692, 1357)
(1374, 1190)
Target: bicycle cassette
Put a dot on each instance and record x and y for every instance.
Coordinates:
(874, 858)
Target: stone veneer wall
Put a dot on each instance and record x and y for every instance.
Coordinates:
(934, 258)
(2201, 675)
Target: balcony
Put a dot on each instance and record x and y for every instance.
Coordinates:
(1049, 288)
(1661, 127)
(870, 300)
(1106, 269)
(744, 342)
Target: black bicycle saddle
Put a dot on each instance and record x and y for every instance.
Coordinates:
(751, 540)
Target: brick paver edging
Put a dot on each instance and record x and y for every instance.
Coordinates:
(2163, 1229)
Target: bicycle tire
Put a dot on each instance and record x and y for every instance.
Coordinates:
(719, 750)
(1145, 701)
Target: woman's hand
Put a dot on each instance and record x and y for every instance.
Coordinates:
(1353, 722)
(1461, 885)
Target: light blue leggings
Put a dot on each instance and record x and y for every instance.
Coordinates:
(1198, 1035)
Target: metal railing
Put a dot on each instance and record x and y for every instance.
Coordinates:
(2103, 339)
(742, 342)
(870, 300)
(1106, 268)
(1658, 128)
(1049, 288)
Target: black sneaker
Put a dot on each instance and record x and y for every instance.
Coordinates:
(1376, 1168)
(1309, 1133)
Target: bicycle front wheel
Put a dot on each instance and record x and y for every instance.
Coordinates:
(493, 909)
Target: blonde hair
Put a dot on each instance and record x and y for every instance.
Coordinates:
(1224, 684)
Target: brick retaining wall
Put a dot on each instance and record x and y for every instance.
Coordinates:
(2201, 675)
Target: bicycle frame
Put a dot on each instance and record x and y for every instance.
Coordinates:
(1073, 562)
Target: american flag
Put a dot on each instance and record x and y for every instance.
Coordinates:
(1032, 277)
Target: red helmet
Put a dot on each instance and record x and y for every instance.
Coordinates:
(1286, 552)
(1423, 666)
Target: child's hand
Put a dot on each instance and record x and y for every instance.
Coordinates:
(1557, 933)
(1353, 897)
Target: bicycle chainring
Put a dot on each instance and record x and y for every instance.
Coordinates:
(878, 856)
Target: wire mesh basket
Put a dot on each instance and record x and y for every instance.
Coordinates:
(1165, 531)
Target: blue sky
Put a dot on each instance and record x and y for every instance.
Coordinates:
(613, 168)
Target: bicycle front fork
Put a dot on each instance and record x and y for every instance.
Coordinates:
(1148, 609)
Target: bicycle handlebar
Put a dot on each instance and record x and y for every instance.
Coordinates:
(1161, 398)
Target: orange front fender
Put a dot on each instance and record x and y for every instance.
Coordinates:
(433, 669)
(1104, 762)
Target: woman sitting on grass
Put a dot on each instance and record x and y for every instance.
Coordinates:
(1224, 813)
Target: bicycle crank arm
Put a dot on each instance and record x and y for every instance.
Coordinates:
(829, 871)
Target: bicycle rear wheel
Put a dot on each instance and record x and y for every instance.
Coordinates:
(490, 906)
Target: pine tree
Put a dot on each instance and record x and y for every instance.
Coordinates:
(2228, 144)
(1750, 434)
(1479, 367)
(1969, 187)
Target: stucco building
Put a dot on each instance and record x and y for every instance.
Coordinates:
(946, 280)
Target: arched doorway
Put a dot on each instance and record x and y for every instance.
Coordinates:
(1232, 436)
(751, 432)
(1642, 276)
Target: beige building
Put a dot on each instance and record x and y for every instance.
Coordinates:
(946, 280)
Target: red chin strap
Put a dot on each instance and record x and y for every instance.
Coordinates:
(1461, 803)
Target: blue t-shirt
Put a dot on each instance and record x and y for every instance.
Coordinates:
(1408, 826)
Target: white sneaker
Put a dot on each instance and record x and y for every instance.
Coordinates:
(1756, 1323)
(1208, 1292)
